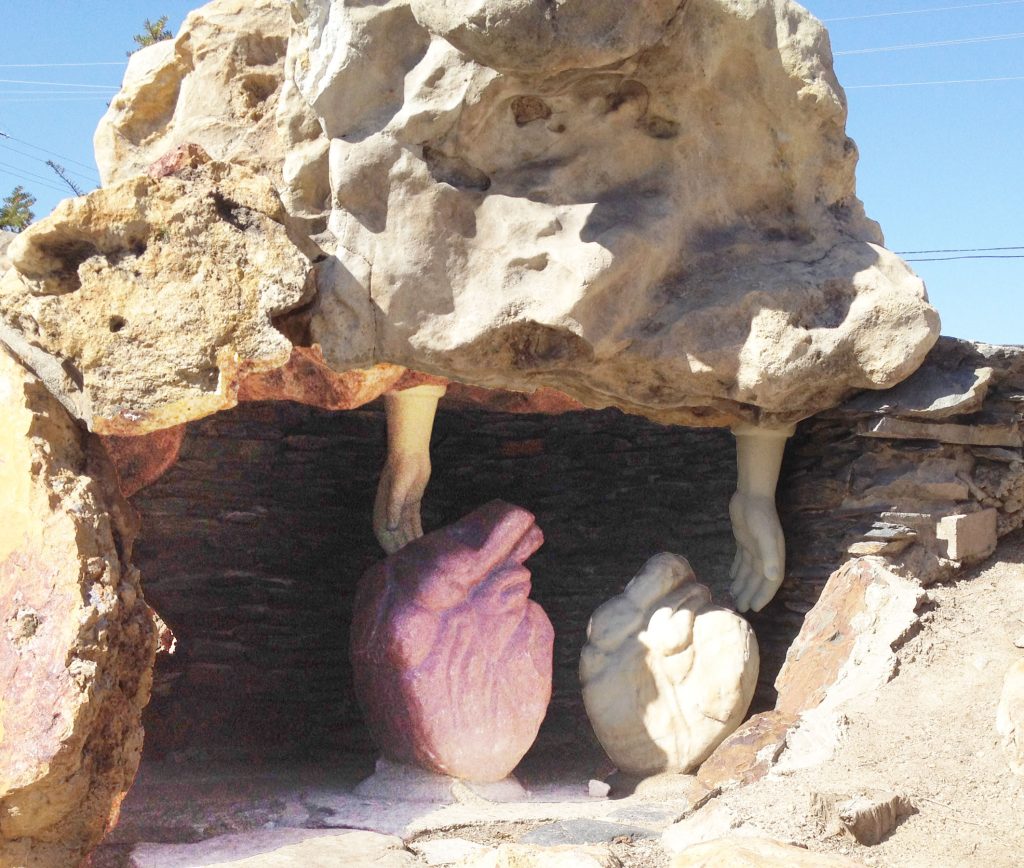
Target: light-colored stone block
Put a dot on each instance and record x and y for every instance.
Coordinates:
(970, 537)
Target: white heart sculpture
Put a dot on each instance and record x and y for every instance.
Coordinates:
(666, 675)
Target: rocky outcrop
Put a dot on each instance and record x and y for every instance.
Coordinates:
(76, 639)
(141, 305)
(452, 661)
(654, 212)
(666, 675)
(216, 84)
(650, 206)
(221, 83)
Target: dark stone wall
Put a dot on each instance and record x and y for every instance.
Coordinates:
(253, 543)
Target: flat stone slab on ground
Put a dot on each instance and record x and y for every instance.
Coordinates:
(280, 848)
(583, 831)
(523, 856)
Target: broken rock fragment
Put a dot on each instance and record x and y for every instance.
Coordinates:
(452, 661)
(666, 675)
(867, 818)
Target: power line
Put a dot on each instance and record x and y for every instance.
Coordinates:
(61, 84)
(37, 180)
(54, 99)
(956, 250)
(951, 258)
(1000, 37)
(923, 83)
(106, 62)
(66, 159)
(922, 11)
(51, 93)
(91, 177)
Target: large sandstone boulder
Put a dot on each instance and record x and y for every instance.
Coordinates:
(648, 205)
(76, 639)
(141, 305)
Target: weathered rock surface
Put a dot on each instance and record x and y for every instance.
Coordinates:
(76, 638)
(845, 646)
(541, 207)
(666, 675)
(215, 84)
(452, 661)
(713, 821)
(1010, 717)
(140, 461)
(142, 304)
(867, 818)
(649, 206)
(222, 83)
(749, 753)
(756, 853)
(5, 241)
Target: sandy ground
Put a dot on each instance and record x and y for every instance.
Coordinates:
(930, 734)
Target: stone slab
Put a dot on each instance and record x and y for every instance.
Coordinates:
(280, 848)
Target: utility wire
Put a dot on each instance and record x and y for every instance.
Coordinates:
(50, 93)
(55, 99)
(922, 11)
(8, 136)
(37, 180)
(61, 84)
(951, 258)
(106, 62)
(956, 250)
(972, 253)
(972, 40)
(924, 83)
(91, 177)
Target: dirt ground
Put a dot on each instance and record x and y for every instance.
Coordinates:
(928, 734)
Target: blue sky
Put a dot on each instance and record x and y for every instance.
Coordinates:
(942, 165)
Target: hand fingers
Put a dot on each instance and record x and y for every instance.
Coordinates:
(743, 572)
(770, 546)
(747, 594)
(765, 592)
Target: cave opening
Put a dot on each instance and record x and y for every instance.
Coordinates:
(253, 542)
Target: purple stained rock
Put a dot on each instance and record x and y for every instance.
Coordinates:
(452, 661)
